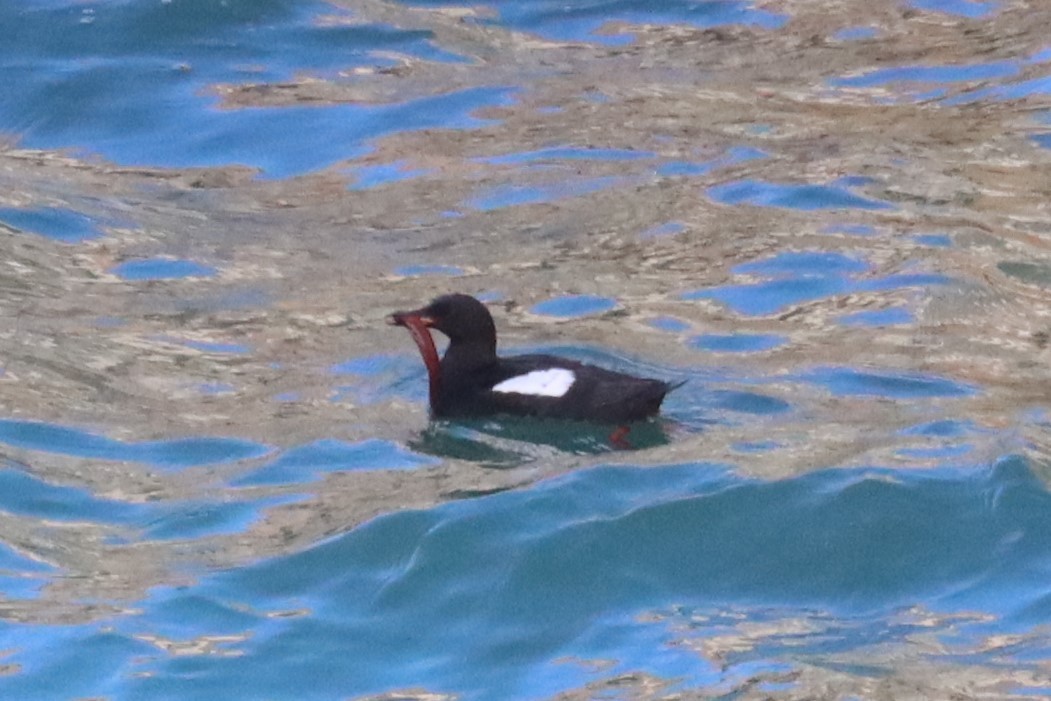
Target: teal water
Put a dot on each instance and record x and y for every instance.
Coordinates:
(482, 597)
(218, 479)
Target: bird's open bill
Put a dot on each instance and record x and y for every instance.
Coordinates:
(418, 326)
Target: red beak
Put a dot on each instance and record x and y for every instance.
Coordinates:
(417, 323)
(405, 318)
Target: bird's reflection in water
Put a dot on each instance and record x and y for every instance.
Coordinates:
(506, 441)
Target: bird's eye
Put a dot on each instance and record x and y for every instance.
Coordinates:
(441, 309)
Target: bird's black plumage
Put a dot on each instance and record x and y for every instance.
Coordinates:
(466, 381)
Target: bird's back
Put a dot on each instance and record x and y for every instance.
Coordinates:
(551, 387)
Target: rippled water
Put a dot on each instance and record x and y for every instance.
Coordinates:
(828, 220)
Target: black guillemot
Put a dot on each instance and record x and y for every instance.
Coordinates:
(471, 380)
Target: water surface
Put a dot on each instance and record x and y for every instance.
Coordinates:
(825, 222)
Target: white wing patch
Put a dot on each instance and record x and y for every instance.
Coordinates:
(553, 382)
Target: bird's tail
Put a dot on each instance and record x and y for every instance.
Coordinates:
(672, 386)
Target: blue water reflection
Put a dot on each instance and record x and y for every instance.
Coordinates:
(567, 153)
(170, 454)
(930, 74)
(666, 229)
(552, 174)
(745, 402)
(512, 195)
(669, 324)
(770, 297)
(798, 277)
(24, 494)
(583, 567)
(737, 342)
(306, 462)
(215, 389)
(850, 229)
(55, 223)
(934, 240)
(78, 77)
(855, 33)
(943, 428)
(972, 9)
(842, 381)
(804, 263)
(878, 317)
(939, 453)
(68, 660)
(429, 270)
(203, 518)
(803, 197)
(756, 446)
(1044, 139)
(162, 269)
(733, 156)
(216, 347)
(569, 306)
(468, 560)
(373, 176)
(583, 21)
(369, 366)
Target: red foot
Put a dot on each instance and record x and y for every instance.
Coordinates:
(619, 438)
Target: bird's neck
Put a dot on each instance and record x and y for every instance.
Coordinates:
(467, 356)
(463, 367)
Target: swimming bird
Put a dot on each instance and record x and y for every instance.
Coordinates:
(471, 380)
